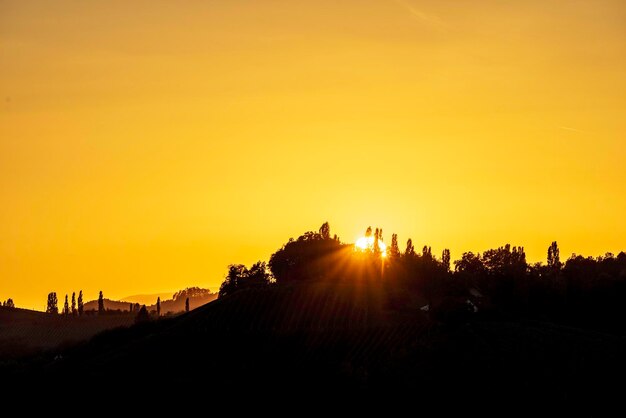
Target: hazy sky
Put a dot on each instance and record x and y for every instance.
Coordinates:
(145, 145)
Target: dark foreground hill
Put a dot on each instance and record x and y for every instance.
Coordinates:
(318, 340)
(25, 333)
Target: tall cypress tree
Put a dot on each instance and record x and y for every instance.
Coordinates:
(376, 245)
(81, 307)
(410, 249)
(394, 250)
(100, 303)
(52, 307)
(187, 304)
(554, 258)
(66, 307)
(325, 231)
(445, 259)
(74, 311)
(158, 306)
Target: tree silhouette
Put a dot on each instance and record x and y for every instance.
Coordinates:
(394, 250)
(66, 307)
(191, 292)
(309, 257)
(9, 303)
(74, 311)
(52, 306)
(239, 277)
(236, 272)
(81, 307)
(130, 308)
(410, 249)
(142, 315)
(257, 275)
(368, 232)
(554, 259)
(470, 270)
(325, 231)
(445, 259)
(187, 304)
(376, 246)
(100, 303)
(158, 306)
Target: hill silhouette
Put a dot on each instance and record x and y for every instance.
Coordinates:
(324, 318)
(344, 338)
(24, 332)
(197, 297)
(146, 299)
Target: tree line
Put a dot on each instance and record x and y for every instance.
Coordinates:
(8, 303)
(497, 279)
(76, 308)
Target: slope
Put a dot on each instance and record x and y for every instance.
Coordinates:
(344, 338)
(24, 332)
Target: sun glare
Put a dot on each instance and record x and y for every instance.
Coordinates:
(367, 244)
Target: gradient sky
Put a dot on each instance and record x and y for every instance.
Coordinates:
(145, 145)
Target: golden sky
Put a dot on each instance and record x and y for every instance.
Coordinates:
(145, 145)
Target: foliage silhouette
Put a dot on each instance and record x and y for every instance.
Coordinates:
(239, 277)
(394, 250)
(410, 249)
(554, 259)
(445, 259)
(74, 310)
(142, 315)
(52, 307)
(81, 306)
(66, 307)
(306, 258)
(100, 303)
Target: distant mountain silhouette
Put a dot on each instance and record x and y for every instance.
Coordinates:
(176, 303)
(147, 299)
(110, 305)
(197, 298)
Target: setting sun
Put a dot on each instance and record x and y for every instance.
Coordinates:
(367, 244)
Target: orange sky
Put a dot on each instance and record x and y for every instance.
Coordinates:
(145, 145)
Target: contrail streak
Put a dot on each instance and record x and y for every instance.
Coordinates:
(431, 20)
